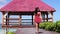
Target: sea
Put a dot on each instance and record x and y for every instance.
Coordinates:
(0, 27)
(10, 29)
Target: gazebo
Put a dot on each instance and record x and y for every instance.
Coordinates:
(25, 7)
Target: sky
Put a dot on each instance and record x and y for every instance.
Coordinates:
(53, 3)
(56, 5)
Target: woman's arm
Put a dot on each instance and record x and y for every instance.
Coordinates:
(41, 17)
(33, 18)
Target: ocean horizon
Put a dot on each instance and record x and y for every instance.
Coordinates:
(0, 26)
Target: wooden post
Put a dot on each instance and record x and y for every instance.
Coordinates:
(52, 16)
(6, 25)
(2, 18)
(3, 22)
(32, 19)
(47, 16)
(19, 19)
(7, 22)
(8, 19)
(43, 16)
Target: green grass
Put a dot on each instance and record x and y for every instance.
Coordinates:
(10, 32)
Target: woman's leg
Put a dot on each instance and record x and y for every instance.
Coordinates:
(37, 28)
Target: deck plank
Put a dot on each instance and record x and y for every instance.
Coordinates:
(32, 31)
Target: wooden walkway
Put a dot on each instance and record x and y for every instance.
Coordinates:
(32, 31)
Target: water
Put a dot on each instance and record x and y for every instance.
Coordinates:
(0, 27)
(0, 30)
(10, 29)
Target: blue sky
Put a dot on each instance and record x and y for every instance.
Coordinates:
(53, 3)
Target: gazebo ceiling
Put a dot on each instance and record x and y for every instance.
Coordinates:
(26, 6)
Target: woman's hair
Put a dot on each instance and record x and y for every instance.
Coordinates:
(36, 10)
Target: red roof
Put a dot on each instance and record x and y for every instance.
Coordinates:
(26, 5)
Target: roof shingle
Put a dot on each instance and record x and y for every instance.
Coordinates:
(26, 5)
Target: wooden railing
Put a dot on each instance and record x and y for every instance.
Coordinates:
(16, 19)
(12, 18)
(8, 23)
(26, 21)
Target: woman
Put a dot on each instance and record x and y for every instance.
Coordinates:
(37, 20)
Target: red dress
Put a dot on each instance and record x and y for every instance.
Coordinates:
(37, 18)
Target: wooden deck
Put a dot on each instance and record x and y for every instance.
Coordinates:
(29, 30)
(32, 31)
